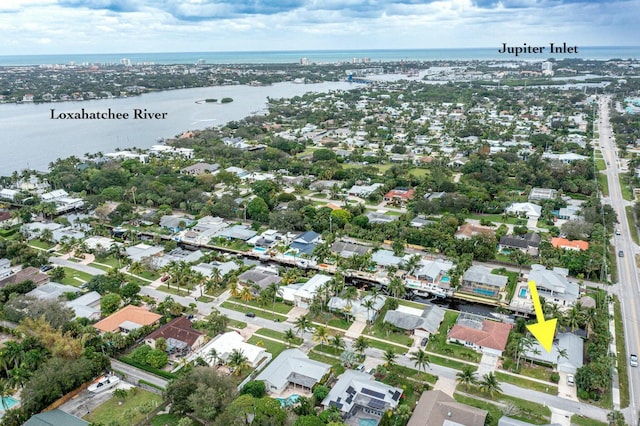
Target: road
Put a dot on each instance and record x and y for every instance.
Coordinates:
(628, 287)
(77, 266)
(137, 373)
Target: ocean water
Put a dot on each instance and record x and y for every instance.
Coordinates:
(318, 56)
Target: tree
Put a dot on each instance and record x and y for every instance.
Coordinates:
(57, 274)
(360, 344)
(269, 412)
(390, 357)
(136, 268)
(616, 418)
(110, 303)
(237, 360)
(233, 288)
(201, 389)
(337, 342)
(301, 324)
(396, 288)
(161, 344)
(255, 388)
(289, 336)
(420, 359)
(320, 392)
(321, 335)
(490, 384)
(246, 295)
(467, 377)
(258, 209)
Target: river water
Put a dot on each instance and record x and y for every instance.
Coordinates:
(29, 138)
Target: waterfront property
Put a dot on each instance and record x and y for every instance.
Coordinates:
(554, 286)
(422, 323)
(479, 333)
(301, 294)
(567, 353)
(478, 280)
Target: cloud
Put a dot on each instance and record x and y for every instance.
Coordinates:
(111, 5)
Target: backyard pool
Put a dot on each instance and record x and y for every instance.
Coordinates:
(367, 422)
(260, 249)
(8, 403)
(523, 293)
(289, 401)
(445, 279)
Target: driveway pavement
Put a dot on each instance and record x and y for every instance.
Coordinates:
(566, 391)
(488, 364)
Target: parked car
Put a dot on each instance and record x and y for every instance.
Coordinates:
(165, 278)
(618, 232)
(45, 268)
(570, 380)
(250, 314)
(633, 360)
(424, 341)
(620, 253)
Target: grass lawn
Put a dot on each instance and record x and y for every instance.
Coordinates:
(494, 412)
(528, 411)
(277, 335)
(512, 280)
(328, 349)
(258, 312)
(237, 324)
(272, 347)
(41, 244)
(411, 304)
(70, 276)
(632, 224)
(497, 218)
(625, 188)
(150, 275)
(279, 307)
(205, 299)
(339, 323)
(550, 389)
(398, 349)
(446, 362)
(438, 342)
(604, 184)
(399, 338)
(333, 362)
(621, 355)
(418, 172)
(579, 420)
(111, 261)
(111, 412)
(165, 420)
(537, 371)
(164, 288)
(600, 164)
(425, 376)
(100, 266)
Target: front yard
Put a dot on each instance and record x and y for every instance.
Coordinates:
(131, 410)
(438, 342)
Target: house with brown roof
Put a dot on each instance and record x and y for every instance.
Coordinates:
(479, 333)
(127, 319)
(563, 243)
(179, 334)
(436, 408)
(399, 195)
(29, 273)
(468, 230)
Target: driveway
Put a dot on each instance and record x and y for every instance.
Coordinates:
(566, 391)
(488, 364)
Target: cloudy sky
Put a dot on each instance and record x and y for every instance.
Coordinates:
(113, 26)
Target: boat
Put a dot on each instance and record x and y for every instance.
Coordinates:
(103, 383)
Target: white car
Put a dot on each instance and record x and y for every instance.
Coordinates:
(570, 380)
(633, 360)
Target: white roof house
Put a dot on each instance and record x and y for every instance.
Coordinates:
(302, 294)
(224, 344)
(292, 367)
(140, 251)
(357, 308)
(554, 286)
(529, 210)
(52, 291)
(86, 306)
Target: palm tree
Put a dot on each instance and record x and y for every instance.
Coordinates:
(360, 344)
(402, 413)
(396, 288)
(5, 391)
(390, 357)
(321, 335)
(490, 384)
(532, 353)
(574, 316)
(337, 342)
(562, 353)
(467, 376)
(212, 357)
(302, 323)
(420, 359)
(289, 336)
(233, 288)
(616, 418)
(136, 268)
(238, 360)
(369, 305)
(246, 295)
(590, 319)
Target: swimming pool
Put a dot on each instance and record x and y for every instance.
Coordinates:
(367, 422)
(523, 293)
(8, 402)
(260, 249)
(445, 279)
(289, 401)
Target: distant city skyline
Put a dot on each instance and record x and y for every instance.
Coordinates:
(35, 27)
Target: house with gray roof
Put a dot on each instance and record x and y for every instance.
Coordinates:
(55, 417)
(173, 222)
(260, 277)
(305, 242)
(292, 369)
(143, 251)
(207, 269)
(178, 255)
(237, 232)
(570, 343)
(346, 250)
(302, 294)
(570, 213)
(375, 217)
(554, 285)
(436, 408)
(358, 308)
(478, 280)
(203, 230)
(357, 394)
(86, 306)
(387, 258)
(527, 243)
(421, 323)
(52, 291)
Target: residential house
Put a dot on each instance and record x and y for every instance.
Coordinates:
(178, 255)
(479, 333)
(200, 169)
(468, 230)
(377, 217)
(127, 319)
(420, 322)
(237, 232)
(527, 243)
(363, 191)
(179, 334)
(33, 230)
(292, 369)
(436, 408)
(554, 285)
(357, 309)
(538, 194)
(301, 294)
(571, 344)
(357, 393)
(386, 258)
(203, 230)
(431, 277)
(399, 195)
(29, 273)
(305, 242)
(8, 194)
(260, 277)
(529, 210)
(55, 417)
(420, 221)
(175, 223)
(86, 306)
(563, 243)
(346, 250)
(62, 200)
(52, 291)
(207, 269)
(566, 158)
(224, 345)
(480, 281)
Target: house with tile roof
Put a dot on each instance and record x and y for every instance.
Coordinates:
(479, 333)
(468, 230)
(179, 334)
(563, 243)
(127, 319)
(399, 195)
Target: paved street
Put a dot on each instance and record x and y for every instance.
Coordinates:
(138, 374)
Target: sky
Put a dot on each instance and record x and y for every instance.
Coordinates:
(114, 26)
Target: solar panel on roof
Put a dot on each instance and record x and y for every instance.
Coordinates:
(348, 400)
(336, 404)
(351, 390)
(372, 393)
(396, 395)
(376, 403)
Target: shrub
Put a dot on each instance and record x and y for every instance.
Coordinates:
(254, 388)
(555, 377)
